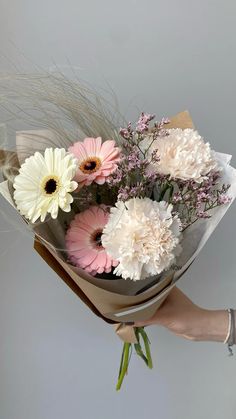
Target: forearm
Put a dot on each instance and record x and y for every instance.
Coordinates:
(209, 325)
(186, 319)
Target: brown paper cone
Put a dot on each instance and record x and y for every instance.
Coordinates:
(110, 305)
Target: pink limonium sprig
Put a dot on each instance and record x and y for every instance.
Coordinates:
(194, 201)
(127, 133)
(132, 177)
(127, 192)
(135, 135)
(142, 125)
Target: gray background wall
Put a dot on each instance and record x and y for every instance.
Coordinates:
(57, 360)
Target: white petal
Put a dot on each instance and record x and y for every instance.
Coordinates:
(30, 200)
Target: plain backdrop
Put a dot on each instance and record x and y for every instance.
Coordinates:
(57, 360)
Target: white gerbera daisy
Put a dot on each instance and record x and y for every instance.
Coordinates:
(45, 183)
(183, 154)
(143, 236)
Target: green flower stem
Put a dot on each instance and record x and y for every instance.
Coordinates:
(140, 353)
(127, 350)
(121, 361)
(163, 191)
(123, 364)
(171, 191)
(147, 346)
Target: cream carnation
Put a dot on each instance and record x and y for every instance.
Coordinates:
(183, 155)
(143, 236)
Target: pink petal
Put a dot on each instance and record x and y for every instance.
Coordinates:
(108, 264)
(92, 146)
(100, 261)
(86, 257)
(80, 176)
(87, 217)
(79, 151)
(78, 240)
(100, 180)
(108, 165)
(106, 172)
(102, 218)
(73, 238)
(115, 262)
(108, 151)
(79, 228)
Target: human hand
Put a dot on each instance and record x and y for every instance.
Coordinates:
(184, 318)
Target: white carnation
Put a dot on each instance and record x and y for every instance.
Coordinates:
(143, 236)
(183, 154)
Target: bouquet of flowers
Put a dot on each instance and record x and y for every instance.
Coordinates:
(120, 219)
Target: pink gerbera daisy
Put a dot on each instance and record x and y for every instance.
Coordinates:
(96, 160)
(83, 241)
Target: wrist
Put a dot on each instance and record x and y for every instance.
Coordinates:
(209, 325)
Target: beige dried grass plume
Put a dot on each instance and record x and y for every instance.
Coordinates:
(71, 109)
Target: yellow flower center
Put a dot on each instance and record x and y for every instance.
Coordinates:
(50, 185)
(90, 165)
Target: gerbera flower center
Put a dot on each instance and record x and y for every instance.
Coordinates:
(90, 165)
(97, 238)
(50, 185)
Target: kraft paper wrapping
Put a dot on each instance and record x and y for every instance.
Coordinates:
(107, 298)
(108, 303)
(125, 332)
